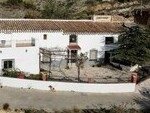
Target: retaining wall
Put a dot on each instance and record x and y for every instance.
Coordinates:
(66, 86)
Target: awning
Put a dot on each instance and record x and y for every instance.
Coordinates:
(73, 47)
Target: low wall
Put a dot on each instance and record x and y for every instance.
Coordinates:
(65, 86)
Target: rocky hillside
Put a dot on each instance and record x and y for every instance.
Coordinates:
(64, 9)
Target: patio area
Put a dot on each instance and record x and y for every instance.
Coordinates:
(90, 73)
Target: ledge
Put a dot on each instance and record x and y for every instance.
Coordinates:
(64, 86)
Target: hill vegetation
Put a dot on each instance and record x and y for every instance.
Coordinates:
(65, 9)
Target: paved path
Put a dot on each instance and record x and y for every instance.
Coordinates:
(29, 98)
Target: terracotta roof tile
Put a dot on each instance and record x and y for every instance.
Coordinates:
(65, 26)
(73, 47)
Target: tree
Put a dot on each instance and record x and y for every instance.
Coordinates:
(134, 45)
(59, 9)
(50, 9)
(32, 14)
(14, 2)
(70, 8)
(144, 1)
(80, 62)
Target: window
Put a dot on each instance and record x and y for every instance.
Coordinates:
(73, 39)
(8, 64)
(33, 41)
(109, 40)
(93, 54)
(45, 36)
(3, 41)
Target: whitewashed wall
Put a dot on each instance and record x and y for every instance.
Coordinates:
(88, 42)
(64, 86)
(58, 39)
(54, 39)
(94, 41)
(25, 58)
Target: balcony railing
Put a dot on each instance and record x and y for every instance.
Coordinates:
(25, 43)
(17, 43)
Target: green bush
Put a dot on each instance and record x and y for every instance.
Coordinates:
(5, 106)
(11, 72)
(35, 77)
(14, 2)
(29, 5)
(32, 14)
(35, 111)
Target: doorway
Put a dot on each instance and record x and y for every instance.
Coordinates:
(107, 57)
(73, 56)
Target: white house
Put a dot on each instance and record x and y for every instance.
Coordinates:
(20, 40)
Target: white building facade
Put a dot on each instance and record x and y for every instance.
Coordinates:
(20, 40)
(19, 52)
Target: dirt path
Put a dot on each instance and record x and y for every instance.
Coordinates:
(29, 98)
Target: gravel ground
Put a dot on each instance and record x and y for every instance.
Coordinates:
(144, 87)
(103, 74)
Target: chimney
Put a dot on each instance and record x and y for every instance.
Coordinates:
(102, 18)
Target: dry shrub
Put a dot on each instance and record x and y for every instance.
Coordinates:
(6, 106)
